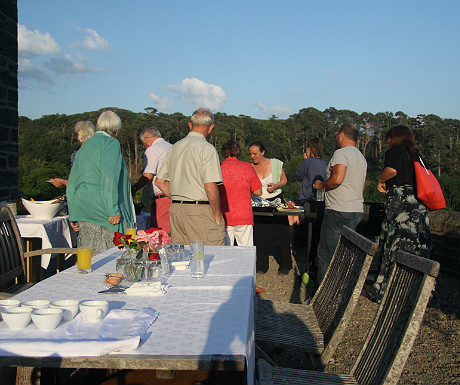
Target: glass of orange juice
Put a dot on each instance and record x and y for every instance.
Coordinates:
(83, 255)
(131, 229)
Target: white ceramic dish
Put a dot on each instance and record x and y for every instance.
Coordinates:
(37, 303)
(69, 308)
(94, 310)
(42, 209)
(47, 319)
(17, 317)
(7, 303)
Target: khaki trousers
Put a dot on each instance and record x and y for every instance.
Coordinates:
(193, 222)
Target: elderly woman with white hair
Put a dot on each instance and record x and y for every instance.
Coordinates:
(99, 188)
(84, 130)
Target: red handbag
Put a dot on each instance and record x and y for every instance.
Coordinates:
(428, 188)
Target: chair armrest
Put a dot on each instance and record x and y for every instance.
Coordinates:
(65, 250)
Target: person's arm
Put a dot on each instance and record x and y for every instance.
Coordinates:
(273, 186)
(257, 193)
(387, 174)
(58, 182)
(143, 181)
(335, 180)
(212, 192)
(164, 186)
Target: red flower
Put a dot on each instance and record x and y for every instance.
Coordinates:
(119, 239)
(152, 229)
(154, 256)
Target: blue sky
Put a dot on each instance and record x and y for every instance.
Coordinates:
(253, 57)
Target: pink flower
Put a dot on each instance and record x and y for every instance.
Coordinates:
(152, 238)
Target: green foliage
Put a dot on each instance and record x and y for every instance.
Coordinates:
(45, 144)
(34, 185)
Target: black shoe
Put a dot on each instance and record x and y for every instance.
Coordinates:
(283, 272)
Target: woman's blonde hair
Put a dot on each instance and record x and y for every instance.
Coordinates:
(84, 130)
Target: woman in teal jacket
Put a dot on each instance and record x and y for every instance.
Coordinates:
(99, 188)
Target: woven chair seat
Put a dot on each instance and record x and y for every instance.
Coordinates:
(317, 328)
(285, 325)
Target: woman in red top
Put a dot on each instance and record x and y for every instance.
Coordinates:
(239, 182)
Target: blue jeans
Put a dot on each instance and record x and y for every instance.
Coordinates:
(331, 227)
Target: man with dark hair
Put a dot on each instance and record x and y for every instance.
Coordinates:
(344, 187)
(155, 151)
(189, 176)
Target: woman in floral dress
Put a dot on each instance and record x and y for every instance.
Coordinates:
(406, 225)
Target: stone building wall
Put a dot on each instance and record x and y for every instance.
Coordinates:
(8, 100)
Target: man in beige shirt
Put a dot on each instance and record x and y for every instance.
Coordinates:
(189, 176)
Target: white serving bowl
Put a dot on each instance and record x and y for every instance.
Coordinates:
(17, 317)
(69, 308)
(47, 319)
(7, 303)
(42, 209)
(37, 303)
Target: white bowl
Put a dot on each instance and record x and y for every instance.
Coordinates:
(69, 308)
(47, 319)
(42, 209)
(7, 303)
(94, 310)
(17, 317)
(37, 303)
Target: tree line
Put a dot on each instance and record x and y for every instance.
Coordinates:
(45, 144)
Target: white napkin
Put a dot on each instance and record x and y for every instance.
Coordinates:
(153, 289)
(120, 330)
(180, 265)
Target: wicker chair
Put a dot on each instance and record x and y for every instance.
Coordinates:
(12, 267)
(391, 336)
(317, 328)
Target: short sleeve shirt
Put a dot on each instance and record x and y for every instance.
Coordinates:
(189, 164)
(153, 159)
(239, 181)
(397, 159)
(348, 197)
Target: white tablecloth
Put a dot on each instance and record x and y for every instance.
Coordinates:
(198, 316)
(55, 232)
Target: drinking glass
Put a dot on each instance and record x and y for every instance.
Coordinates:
(197, 259)
(131, 229)
(83, 255)
(320, 195)
(153, 269)
(123, 266)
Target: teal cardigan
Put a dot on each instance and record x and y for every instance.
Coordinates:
(99, 186)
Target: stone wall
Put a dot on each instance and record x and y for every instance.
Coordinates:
(8, 100)
(445, 232)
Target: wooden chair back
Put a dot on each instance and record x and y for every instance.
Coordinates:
(12, 269)
(398, 319)
(338, 293)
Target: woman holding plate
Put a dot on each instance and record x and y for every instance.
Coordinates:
(270, 231)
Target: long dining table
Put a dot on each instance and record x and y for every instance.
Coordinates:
(203, 323)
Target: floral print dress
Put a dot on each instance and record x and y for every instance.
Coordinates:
(405, 227)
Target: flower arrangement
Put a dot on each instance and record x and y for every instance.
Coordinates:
(149, 241)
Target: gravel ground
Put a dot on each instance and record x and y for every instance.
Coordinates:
(435, 356)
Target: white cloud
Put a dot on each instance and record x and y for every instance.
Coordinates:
(94, 41)
(29, 72)
(35, 42)
(274, 110)
(197, 93)
(66, 65)
(163, 103)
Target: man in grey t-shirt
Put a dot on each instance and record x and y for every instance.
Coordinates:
(344, 187)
